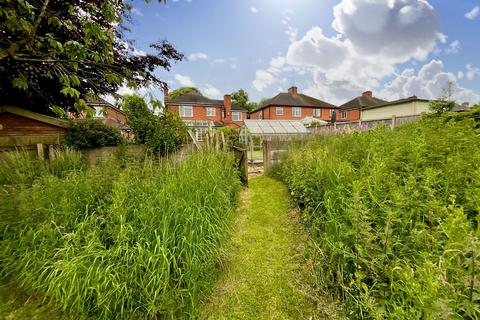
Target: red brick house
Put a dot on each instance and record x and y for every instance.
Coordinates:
(292, 105)
(108, 114)
(201, 113)
(352, 110)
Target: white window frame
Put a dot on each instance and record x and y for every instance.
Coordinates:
(344, 115)
(317, 112)
(296, 112)
(183, 112)
(99, 112)
(211, 111)
(331, 113)
(279, 111)
(237, 116)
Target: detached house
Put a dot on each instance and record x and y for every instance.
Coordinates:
(352, 110)
(408, 107)
(201, 113)
(292, 105)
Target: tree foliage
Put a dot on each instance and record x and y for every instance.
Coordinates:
(181, 91)
(141, 119)
(441, 106)
(241, 98)
(53, 52)
(91, 133)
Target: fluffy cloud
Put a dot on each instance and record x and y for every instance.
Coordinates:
(197, 56)
(184, 81)
(254, 10)
(263, 78)
(211, 91)
(473, 13)
(430, 83)
(472, 72)
(395, 29)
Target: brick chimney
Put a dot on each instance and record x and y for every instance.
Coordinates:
(293, 90)
(368, 94)
(227, 103)
(165, 93)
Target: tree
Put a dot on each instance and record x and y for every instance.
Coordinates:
(53, 52)
(181, 91)
(241, 98)
(445, 102)
(92, 133)
(140, 118)
(169, 135)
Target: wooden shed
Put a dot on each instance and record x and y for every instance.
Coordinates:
(20, 127)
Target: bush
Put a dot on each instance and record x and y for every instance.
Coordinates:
(141, 119)
(92, 133)
(394, 217)
(232, 136)
(120, 243)
(169, 136)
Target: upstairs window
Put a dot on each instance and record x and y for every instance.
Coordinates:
(211, 112)
(99, 113)
(279, 111)
(317, 112)
(186, 111)
(344, 114)
(296, 111)
(236, 116)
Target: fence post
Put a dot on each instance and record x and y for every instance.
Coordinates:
(394, 121)
(40, 151)
(266, 158)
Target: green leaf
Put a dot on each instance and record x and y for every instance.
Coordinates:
(20, 83)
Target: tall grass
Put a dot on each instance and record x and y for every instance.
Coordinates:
(115, 242)
(394, 218)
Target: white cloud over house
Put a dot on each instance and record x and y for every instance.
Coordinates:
(211, 91)
(184, 81)
(472, 14)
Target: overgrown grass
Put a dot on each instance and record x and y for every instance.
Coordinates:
(116, 241)
(394, 215)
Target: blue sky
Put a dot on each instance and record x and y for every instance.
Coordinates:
(333, 50)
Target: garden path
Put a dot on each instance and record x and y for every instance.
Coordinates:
(266, 274)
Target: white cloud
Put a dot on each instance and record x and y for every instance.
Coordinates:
(292, 33)
(254, 10)
(263, 79)
(454, 47)
(430, 83)
(219, 60)
(277, 62)
(211, 91)
(197, 56)
(184, 81)
(395, 29)
(473, 13)
(134, 51)
(460, 75)
(442, 37)
(471, 72)
(137, 12)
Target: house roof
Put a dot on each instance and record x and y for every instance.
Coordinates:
(400, 101)
(35, 116)
(193, 98)
(100, 102)
(275, 127)
(295, 100)
(362, 102)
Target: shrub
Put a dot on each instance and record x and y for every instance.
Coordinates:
(232, 136)
(91, 133)
(120, 243)
(394, 218)
(169, 136)
(141, 119)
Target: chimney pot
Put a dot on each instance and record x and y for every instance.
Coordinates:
(293, 90)
(368, 94)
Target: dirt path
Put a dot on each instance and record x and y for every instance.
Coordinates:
(266, 275)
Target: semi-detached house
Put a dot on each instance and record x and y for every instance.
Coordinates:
(201, 113)
(292, 105)
(352, 110)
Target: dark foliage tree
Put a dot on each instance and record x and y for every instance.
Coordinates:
(141, 119)
(53, 52)
(241, 98)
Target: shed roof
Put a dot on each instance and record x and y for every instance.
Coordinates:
(275, 127)
(35, 116)
(400, 101)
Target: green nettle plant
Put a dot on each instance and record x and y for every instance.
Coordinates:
(394, 216)
(116, 241)
(92, 133)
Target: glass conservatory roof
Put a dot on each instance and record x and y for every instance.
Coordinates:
(266, 127)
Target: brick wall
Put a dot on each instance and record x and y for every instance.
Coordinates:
(269, 113)
(199, 113)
